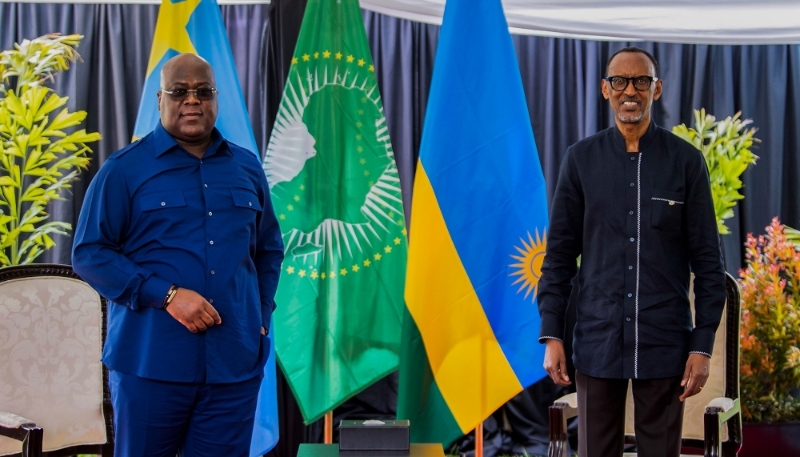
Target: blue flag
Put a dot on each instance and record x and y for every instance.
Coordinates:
(478, 234)
(195, 26)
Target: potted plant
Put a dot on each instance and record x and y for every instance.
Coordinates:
(726, 147)
(40, 151)
(770, 343)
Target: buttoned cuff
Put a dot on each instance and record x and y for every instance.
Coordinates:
(552, 328)
(152, 293)
(702, 341)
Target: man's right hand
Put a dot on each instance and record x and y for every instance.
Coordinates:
(555, 362)
(193, 311)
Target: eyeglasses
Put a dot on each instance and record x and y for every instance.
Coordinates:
(640, 83)
(203, 94)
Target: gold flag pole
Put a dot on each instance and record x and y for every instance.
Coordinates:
(479, 440)
(329, 427)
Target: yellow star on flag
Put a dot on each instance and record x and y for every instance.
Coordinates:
(316, 55)
(322, 276)
(377, 256)
(355, 268)
(290, 270)
(350, 59)
(397, 241)
(372, 68)
(326, 54)
(387, 249)
(367, 263)
(172, 34)
(294, 60)
(361, 62)
(306, 57)
(302, 273)
(339, 55)
(314, 275)
(343, 272)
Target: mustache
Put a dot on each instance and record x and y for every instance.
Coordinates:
(628, 98)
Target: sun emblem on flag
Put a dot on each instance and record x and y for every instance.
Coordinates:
(529, 266)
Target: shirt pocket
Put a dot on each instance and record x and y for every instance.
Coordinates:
(666, 210)
(165, 199)
(246, 198)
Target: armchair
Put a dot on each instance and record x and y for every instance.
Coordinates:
(54, 398)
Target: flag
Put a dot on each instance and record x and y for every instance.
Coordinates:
(336, 191)
(478, 234)
(195, 26)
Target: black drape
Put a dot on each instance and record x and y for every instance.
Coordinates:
(561, 78)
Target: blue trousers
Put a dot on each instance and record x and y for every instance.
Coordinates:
(160, 418)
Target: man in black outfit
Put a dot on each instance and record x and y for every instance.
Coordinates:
(634, 202)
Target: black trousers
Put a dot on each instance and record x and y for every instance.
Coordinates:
(658, 416)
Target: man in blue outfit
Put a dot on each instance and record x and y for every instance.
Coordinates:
(178, 232)
(634, 201)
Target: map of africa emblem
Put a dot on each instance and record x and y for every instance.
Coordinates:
(331, 169)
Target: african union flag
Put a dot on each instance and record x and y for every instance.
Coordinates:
(336, 191)
(477, 237)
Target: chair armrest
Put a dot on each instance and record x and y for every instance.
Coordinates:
(8, 420)
(569, 405)
(24, 430)
(562, 409)
(724, 407)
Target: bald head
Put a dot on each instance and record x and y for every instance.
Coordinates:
(182, 59)
(187, 117)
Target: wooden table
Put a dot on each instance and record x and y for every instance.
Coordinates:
(332, 450)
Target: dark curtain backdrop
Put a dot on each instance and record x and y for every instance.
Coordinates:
(561, 78)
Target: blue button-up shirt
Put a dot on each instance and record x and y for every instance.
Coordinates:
(155, 215)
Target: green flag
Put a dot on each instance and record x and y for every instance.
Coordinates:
(336, 191)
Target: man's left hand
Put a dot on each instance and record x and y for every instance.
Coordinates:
(695, 375)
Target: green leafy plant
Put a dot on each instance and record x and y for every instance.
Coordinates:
(770, 332)
(726, 146)
(40, 152)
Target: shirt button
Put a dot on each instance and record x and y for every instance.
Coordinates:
(250, 203)
(632, 239)
(211, 242)
(211, 300)
(630, 267)
(630, 212)
(163, 203)
(633, 158)
(213, 272)
(628, 319)
(630, 295)
(210, 213)
(205, 185)
(632, 184)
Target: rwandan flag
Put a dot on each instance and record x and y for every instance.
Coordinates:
(196, 26)
(478, 235)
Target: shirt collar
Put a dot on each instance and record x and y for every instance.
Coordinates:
(644, 141)
(164, 142)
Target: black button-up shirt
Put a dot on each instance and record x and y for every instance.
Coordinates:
(641, 222)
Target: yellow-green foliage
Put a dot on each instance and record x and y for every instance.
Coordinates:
(40, 151)
(726, 146)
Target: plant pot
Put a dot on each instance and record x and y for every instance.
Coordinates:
(777, 439)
